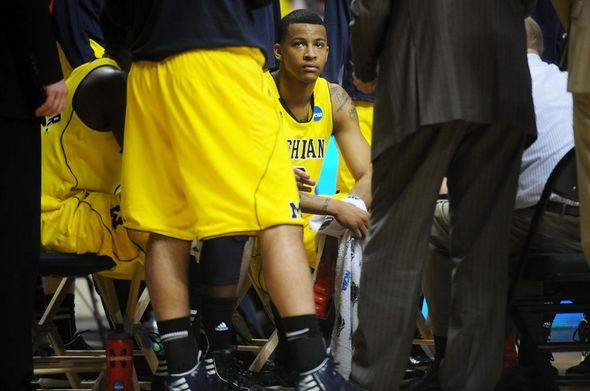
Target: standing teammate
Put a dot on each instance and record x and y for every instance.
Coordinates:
(214, 167)
(81, 164)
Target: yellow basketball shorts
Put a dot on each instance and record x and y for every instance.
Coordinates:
(204, 154)
(344, 179)
(90, 222)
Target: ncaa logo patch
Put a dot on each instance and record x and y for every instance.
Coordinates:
(318, 114)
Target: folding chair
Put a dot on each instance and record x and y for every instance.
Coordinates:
(560, 274)
(71, 363)
(68, 267)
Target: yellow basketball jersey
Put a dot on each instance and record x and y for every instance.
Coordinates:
(308, 142)
(75, 157)
(65, 64)
(286, 7)
(81, 172)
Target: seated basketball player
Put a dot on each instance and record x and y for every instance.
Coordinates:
(311, 111)
(82, 166)
(81, 170)
(74, 22)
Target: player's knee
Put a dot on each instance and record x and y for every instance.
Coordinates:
(221, 260)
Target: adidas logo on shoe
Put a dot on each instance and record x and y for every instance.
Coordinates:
(221, 327)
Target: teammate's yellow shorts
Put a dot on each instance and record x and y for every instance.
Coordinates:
(91, 223)
(344, 179)
(204, 155)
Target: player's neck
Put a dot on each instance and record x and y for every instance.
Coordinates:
(295, 93)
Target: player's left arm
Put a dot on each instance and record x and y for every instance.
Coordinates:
(353, 146)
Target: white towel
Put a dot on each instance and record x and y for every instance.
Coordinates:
(348, 277)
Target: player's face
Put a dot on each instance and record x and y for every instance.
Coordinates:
(304, 51)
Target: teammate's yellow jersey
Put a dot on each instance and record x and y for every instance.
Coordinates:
(81, 172)
(286, 7)
(75, 157)
(65, 64)
(308, 142)
(344, 179)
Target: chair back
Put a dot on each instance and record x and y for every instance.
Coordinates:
(563, 180)
(563, 276)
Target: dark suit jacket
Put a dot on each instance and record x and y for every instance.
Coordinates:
(441, 61)
(28, 56)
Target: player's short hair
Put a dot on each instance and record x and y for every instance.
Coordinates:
(298, 16)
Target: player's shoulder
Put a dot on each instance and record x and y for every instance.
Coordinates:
(338, 95)
(335, 89)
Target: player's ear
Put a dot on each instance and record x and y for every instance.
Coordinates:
(277, 51)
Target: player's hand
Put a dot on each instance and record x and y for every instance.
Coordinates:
(351, 217)
(55, 99)
(365, 87)
(303, 180)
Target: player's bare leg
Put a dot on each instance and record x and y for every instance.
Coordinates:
(289, 283)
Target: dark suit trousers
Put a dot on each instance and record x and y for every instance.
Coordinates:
(481, 163)
(20, 162)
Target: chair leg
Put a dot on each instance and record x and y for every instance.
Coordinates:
(100, 383)
(134, 311)
(265, 352)
(142, 304)
(107, 291)
(427, 337)
(45, 324)
(132, 298)
(144, 343)
(262, 347)
(45, 327)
